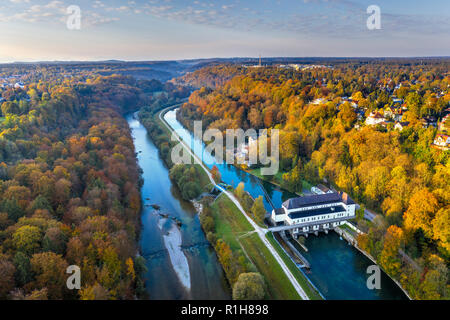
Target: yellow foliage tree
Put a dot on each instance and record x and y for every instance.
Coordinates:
(422, 208)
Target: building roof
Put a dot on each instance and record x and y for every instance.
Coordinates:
(442, 136)
(316, 212)
(307, 201)
(322, 188)
(279, 211)
(376, 115)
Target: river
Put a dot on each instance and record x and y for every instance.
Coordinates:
(181, 264)
(338, 270)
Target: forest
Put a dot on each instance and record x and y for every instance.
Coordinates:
(69, 188)
(324, 137)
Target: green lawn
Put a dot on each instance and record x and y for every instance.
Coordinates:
(232, 226)
(279, 286)
(310, 291)
(235, 230)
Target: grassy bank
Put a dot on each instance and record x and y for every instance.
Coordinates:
(310, 291)
(278, 179)
(279, 286)
(238, 248)
(234, 229)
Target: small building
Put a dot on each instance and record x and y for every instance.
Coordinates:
(375, 118)
(314, 213)
(389, 112)
(443, 125)
(19, 85)
(442, 141)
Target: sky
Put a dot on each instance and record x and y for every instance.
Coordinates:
(36, 30)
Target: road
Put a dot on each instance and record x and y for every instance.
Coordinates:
(260, 231)
(369, 215)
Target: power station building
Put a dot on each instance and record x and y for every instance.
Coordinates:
(314, 213)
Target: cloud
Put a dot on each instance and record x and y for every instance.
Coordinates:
(345, 19)
(56, 12)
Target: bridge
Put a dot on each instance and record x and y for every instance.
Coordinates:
(306, 224)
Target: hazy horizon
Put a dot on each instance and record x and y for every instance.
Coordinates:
(167, 30)
(224, 58)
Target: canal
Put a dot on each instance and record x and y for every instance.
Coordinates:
(338, 270)
(181, 264)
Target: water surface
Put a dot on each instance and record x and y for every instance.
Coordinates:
(191, 271)
(338, 270)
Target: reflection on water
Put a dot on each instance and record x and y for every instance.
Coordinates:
(339, 270)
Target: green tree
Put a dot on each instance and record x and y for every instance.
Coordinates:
(258, 209)
(240, 190)
(27, 239)
(23, 269)
(249, 286)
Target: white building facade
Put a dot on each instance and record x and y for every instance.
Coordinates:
(311, 214)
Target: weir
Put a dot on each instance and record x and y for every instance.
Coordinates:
(333, 265)
(169, 277)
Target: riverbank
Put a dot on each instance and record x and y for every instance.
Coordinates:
(180, 262)
(354, 242)
(337, 271)
(258, 230)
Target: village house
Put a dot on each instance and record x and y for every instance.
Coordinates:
(401, 125)
(242, 153)
(389, 112)
(442, 141)
(443, 125)
(375, 118)
(19, 85)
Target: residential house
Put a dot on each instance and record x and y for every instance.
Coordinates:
(375, 118)
(443, 125)
(442, 141)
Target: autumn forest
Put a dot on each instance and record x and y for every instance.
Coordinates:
(70, 182)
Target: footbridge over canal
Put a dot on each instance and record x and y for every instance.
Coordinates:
(300, 226)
